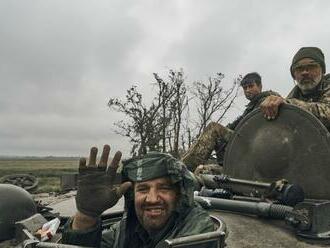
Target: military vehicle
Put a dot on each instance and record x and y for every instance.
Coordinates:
(274, 191)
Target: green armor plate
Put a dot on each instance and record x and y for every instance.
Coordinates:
(294, 146)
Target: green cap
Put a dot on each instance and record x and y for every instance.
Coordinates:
(153, 165)
(314, 53)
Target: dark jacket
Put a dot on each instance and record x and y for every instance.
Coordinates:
(187, 219)
(253, 104)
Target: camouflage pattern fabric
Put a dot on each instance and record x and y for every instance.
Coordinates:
(208, 141)
(201, 150)
(317, 103)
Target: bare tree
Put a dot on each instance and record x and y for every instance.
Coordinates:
(160, 126)
(178, 105)
(212, 99)
(143, 123)
(164, 95)
(172, 95)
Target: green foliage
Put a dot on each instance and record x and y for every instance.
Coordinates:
(48, 170)
(48, 184)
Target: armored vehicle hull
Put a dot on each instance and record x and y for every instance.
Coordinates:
(295, 146)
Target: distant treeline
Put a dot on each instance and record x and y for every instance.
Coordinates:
(37, 158)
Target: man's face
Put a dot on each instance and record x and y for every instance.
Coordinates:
(251, 90)
(307, 73)
(154, 201)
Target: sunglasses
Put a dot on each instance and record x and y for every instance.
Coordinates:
(306, 67)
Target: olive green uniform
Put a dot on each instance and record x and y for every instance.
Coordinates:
(196, 221)
(201, 150)
(317, 103)
(187, 219)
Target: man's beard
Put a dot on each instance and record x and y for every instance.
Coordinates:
(153, 217)
(250, 96)
(307, 84)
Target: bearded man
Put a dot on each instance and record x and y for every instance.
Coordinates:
(159, 203)
(312, 92)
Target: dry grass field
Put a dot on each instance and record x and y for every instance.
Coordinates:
(47, 169)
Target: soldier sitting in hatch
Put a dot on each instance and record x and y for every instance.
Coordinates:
(312, 92)
(159, 202)
(215, 136)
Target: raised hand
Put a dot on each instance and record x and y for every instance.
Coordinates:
(270, 106)
(96, 191)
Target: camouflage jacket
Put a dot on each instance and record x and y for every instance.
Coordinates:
(253, 104)
(317, 103)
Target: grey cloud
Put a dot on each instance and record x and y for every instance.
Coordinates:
(61, 60)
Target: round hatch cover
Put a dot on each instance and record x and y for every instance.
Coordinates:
(294, 146)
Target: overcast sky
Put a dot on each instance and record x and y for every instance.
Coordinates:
(61, 60)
